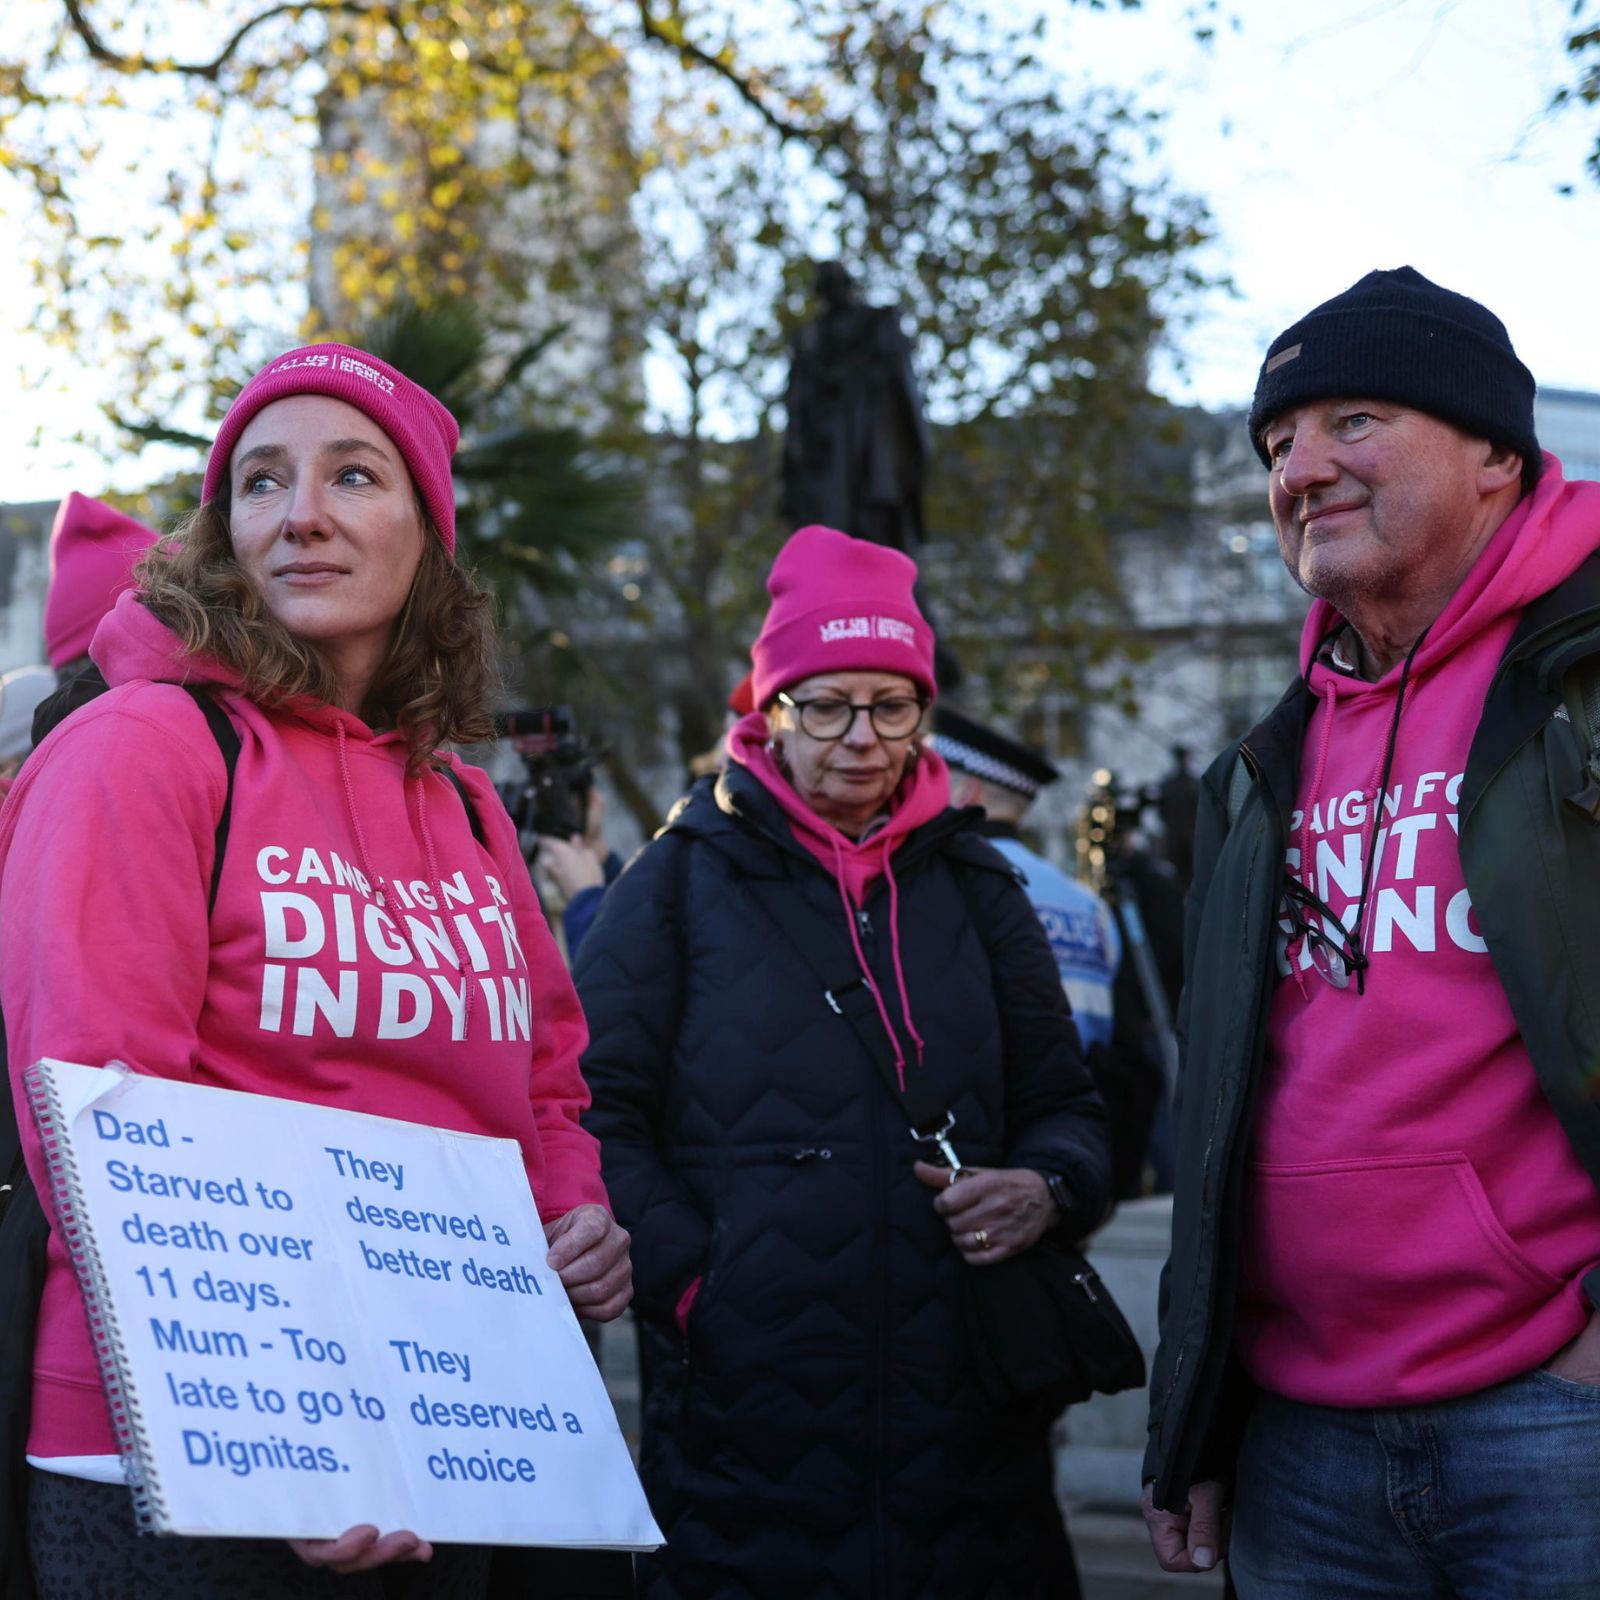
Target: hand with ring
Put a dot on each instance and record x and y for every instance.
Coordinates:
(993, 1213)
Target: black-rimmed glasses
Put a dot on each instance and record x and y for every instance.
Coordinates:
(1336, 952)
(829, 717)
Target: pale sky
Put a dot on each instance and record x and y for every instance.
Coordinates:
(1400, 131)
(1405, 131)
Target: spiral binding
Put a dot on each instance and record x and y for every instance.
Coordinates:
(72, 1227)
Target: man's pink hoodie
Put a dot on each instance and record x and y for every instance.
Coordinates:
(365, 951)
(1416, 1222)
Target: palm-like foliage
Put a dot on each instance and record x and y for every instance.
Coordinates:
(534, 501)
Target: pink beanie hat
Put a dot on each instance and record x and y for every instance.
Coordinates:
(93, 547)
(421, 429)
(840, 605)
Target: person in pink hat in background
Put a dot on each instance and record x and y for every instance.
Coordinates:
(93, 548)
(315, 598)
(813, 1422)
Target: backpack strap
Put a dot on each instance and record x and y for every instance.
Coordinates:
(474, 821)
(227, 737)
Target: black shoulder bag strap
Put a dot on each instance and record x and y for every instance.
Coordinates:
(1044, 1331)
(849, 993)
(227, 737)
(474, 821)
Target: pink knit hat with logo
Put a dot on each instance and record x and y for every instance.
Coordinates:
(422, 430)
(840, 605)
(93, 547)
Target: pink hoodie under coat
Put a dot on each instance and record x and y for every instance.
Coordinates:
(329, 970)
(856, 864)
(1417, 1222)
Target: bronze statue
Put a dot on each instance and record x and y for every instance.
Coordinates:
(856, 452)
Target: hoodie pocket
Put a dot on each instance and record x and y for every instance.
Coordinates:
(1383, 1281)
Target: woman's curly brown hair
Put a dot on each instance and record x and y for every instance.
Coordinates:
(435, 685)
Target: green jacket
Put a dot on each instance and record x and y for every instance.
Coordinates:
(1530, 850)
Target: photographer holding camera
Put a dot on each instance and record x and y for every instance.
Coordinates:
(582, 867)
(559, 815)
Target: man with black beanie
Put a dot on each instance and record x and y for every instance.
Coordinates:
(1380, 1357)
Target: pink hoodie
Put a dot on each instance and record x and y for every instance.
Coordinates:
(365, 950)
(1416, 1222)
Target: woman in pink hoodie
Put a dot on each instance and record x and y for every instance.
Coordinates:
(372, 940)
(814, 926)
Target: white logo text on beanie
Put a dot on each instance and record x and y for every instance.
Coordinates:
(839, 629)
(338, 363)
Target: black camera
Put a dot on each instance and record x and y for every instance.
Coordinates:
(553, 797)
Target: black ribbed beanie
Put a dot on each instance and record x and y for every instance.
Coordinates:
(1396, 336)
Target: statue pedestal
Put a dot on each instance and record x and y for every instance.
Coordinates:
(1100, 1445)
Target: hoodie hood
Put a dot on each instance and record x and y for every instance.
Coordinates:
(133, 645)
(855, 864)
(924, 792)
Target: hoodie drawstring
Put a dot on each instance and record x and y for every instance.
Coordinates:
(861, 962)
(1385, 765)
(1377, 807)
(421, 790)
(354, 814)
(894, 948)
(379, 897)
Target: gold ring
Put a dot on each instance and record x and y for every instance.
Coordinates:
(981, 1238)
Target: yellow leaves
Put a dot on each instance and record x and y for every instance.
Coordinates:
(458, 48)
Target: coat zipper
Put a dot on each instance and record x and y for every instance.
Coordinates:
(880, 1354)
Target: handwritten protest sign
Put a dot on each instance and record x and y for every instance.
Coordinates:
(311, 1318)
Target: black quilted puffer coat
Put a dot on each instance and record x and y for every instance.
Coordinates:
(819, 1431)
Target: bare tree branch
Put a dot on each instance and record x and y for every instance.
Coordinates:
(210, 71)
(826, 138)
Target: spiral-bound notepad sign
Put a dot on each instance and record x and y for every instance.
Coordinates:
(310, 1318)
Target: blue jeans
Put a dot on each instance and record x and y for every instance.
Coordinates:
(1494, 1496)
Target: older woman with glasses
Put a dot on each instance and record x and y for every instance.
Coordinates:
(815, 936)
